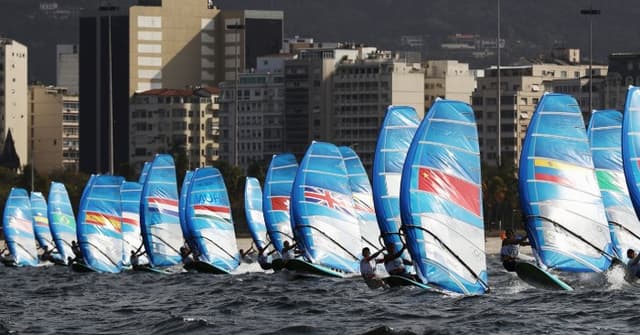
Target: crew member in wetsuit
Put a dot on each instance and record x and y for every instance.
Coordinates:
(263, 259)
(510, 250)
(185, 253)
(368, 268)
(77, 253)
(288, 251)
(46, 254)
(395, 264)
(633, 265)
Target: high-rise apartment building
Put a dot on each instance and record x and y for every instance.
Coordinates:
(67, 68)
(161, 44)
(14, 114)
(164, 120)
(260, 113)
(362, 91)
(54, 129)
(447, 79)
(579, 89)
(624, 70)
(522, 88)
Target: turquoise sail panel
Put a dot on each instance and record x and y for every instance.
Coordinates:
(276, 198)
(17, 226)
(100, 224)
(324, 217)
(253, 212)
(159, 219)
(605, 137)
(41, 221)
(143, 174)
(362, 198)
(62, 221)
(396, 133)
(209, 220)
(441, 200)
(183, 206)
(130, 195)
(559, 193)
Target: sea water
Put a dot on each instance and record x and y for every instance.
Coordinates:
(53, 300)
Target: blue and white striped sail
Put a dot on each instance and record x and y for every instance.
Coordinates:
(396, 133)
(159, 219)
(209, 220)
(41, 221)
(276, 198)
(143, 174)
(441, 200)
(253, 212)
(323, 211)
(62, 221)
(130, 195)
(100, 224)
(183, 206)
(605, 137)
(17, 225)
(559, 192)
(362, 197)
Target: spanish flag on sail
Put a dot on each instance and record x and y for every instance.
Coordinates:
(452, 188)
(562, 173)
(103, 220)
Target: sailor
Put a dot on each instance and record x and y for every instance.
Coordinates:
(245, 255)
(263, 259)
(510, 249)
(77, 253)
(368, 268)
(46, 254)
(134, 259)
(633, 265)
(288, 251)
(394, 263)
(184, 254)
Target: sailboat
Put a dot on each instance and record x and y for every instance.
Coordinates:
(100, 226)
(253, 212)
(276, 199)
(210, 225)
(17, 226)
(560, 197)
(396, 133)
(130, 193)
(40, 221)
(362, 197)
(441, 201)
(159, 217)
(605, 137)
(324, 219)
(61, 220)
(184, 190)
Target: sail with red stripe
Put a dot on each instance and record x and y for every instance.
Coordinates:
(100, 224)
(209, 221)
(276, 198)
(130, 193)
(559, 192)
(441, 200)
(159, 215)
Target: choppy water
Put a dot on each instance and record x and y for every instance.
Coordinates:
(56, 300)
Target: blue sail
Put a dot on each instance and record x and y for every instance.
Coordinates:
(276, 198)
(159, 219)
(130, 194)
(441, 200)
(143, 174)
(323, 211)
(62, 221)
(253, 212)
(362, 197)
(605, 137)
(183, 206)
(209, 220)
(396, 133)
(559, 193)
(17, 225)
(100, 224)
(41, 221)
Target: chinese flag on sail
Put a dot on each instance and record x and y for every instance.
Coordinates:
(459, 191)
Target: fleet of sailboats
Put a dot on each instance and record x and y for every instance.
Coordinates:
(579, 191)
